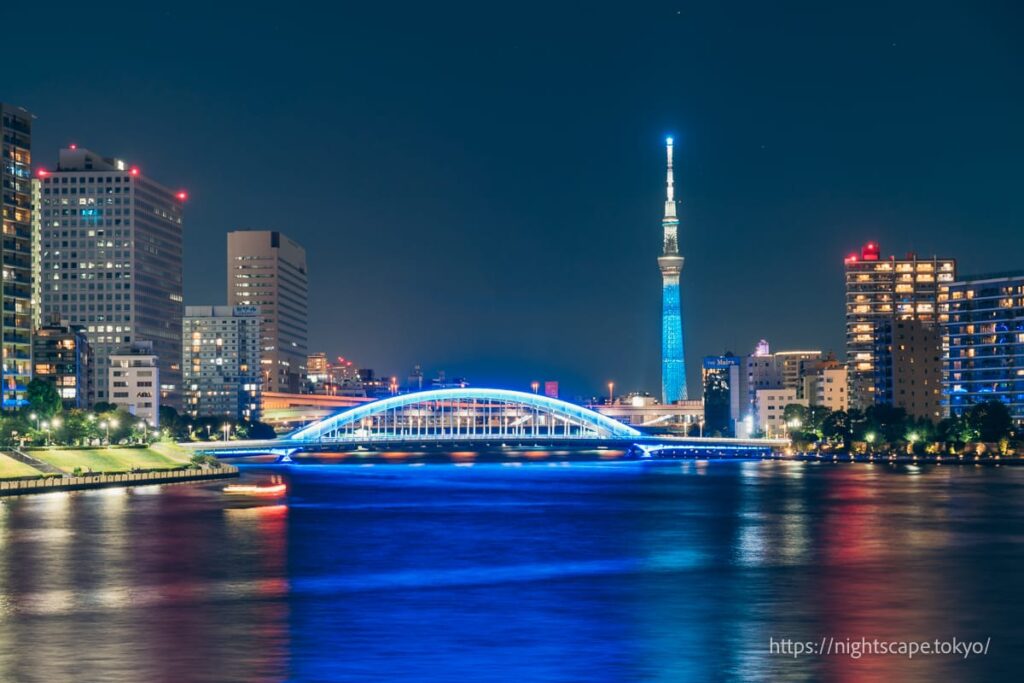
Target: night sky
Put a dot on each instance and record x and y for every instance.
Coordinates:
(480, 187)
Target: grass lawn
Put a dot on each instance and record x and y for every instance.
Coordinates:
(9, 467)
(113, 459)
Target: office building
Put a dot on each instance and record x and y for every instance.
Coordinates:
(134, 381)
(880, 288)
(771, 407)
(221, 363)
(16, 256)
(268, 270)
(112, 261)
(986, 343)
(908, 367)
(673, 357)
(317, 368)
(793, 366)
(720, 377)
(60, 356)
(826, 385)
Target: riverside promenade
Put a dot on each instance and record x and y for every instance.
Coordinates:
(46, 484)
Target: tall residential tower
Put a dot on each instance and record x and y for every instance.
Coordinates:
(673, 362)
(878, 289)
(16, 256)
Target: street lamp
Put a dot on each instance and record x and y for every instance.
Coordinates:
(227, 430)
(106, 425)
(46, 426)
(611, 393)
(142, 426)
(535, 386)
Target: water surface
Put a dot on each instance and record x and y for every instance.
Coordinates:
(614, 571)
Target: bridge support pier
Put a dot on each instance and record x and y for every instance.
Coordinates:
(285, 457)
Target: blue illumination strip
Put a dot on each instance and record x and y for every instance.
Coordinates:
(673, 364)
(601, 423)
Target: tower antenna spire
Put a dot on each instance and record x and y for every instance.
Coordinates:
(670, 186)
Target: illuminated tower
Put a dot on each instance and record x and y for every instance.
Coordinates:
(673, 362)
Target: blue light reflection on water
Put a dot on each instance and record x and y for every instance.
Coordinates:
(593, 571)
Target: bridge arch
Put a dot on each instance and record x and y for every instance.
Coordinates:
(462, 414)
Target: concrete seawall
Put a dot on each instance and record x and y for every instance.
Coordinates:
(99, 481)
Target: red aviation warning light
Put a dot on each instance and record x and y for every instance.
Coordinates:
(133, 171)
(181, 195)
(870, 251)
(42, 173)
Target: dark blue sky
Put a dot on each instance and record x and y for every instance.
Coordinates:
(479, 187)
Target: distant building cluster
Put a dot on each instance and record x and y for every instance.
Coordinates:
(919, 337)
(93, 305)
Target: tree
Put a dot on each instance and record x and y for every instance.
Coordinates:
(76, 428)
(889, 424)
(795, 416)
(261, 430)
(991, 420)
(836, 427)
(43, 398)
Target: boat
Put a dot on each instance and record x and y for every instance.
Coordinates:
(271, 489)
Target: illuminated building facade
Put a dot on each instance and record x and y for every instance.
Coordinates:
(908, 367)
(112, 261)
(986, 343)
(60, 356)
(878, 289)
(222, 361)
(268, 270)
(16, 256)
(721, 379)
(673, 360)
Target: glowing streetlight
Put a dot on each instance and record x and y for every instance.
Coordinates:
(535, 386)
(611, 393)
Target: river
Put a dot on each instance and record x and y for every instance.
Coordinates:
(544, 571)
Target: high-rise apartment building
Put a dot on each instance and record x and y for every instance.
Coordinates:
(908, 367)
(112, 261)
(986, 343)
(16, 255)
(221, 363)
(268, 270)
(879, 288)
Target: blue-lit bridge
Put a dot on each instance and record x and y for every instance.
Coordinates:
(478, 417)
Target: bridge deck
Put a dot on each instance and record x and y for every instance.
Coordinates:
(646, 444)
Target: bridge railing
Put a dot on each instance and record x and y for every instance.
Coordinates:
(456, 436)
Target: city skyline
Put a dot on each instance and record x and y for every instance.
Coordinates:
(805, 180)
